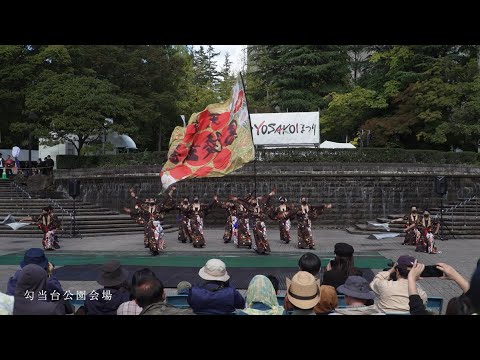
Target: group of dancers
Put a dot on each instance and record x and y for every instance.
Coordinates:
(243, 214)
(420, 231)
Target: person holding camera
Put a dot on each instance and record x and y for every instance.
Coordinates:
(392, 295)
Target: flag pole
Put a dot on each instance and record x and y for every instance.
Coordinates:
(251, 132)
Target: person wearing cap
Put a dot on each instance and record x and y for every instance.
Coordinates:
(36, 256)
(393, 296)
(412, 234)
(303, 292)
(183, 288)
(105, 301)
(312, 264)
(357, 295)
(305, 213)
(197, 214)
(30, 292)
(339, 269)
(215, 296)
(282, 213)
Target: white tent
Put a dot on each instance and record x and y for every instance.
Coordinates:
(335, 145)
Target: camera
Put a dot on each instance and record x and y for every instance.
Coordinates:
(431, 271)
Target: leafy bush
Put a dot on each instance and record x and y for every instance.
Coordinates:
(366, 155)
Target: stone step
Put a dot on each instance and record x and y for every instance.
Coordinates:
(66, 235)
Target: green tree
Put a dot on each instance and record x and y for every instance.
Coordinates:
(153, 77)
(346, 112)
(74, 108)
(227, 78)
(298, 77)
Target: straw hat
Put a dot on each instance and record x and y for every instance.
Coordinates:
(303, 290)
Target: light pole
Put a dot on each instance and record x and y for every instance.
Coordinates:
(32, 117)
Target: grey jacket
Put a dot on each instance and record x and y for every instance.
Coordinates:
(359, 310)
(161, 308)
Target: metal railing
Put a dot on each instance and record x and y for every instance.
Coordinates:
(14, 187)
(461, 204)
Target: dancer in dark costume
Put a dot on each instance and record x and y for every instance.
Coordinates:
(305, 213)
(197, 214)
(151, 213)
(427, 239)
(258, 209)
(49, 224)
(282, 214)
(243, 227)
(184, 223)
(139, 215)
(412, 234)
(231, 228)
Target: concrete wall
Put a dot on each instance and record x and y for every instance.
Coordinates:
(358, 192)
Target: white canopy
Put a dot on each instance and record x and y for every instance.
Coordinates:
(335, 145)
(121, 141)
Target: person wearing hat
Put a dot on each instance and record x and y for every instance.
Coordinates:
(339, 269)
(105, 301)
(244, 238)
(31, 286)
(150, 214)
(36, 256)
(412, 234)
(303, 292)
(393, 296)
(48, 224)
(357, 295)
(184, 225)
(197, 214)
(305, 213)
(215, 296)
(312, 264)
(282, 213)
(258, 209)
(231, 227)
(183, 288)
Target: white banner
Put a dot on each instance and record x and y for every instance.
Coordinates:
(286, 129)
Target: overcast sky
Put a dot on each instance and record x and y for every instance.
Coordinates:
(235, 52)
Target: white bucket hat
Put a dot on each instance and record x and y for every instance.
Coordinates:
(214, 269)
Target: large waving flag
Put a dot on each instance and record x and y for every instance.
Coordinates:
(215, 142)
